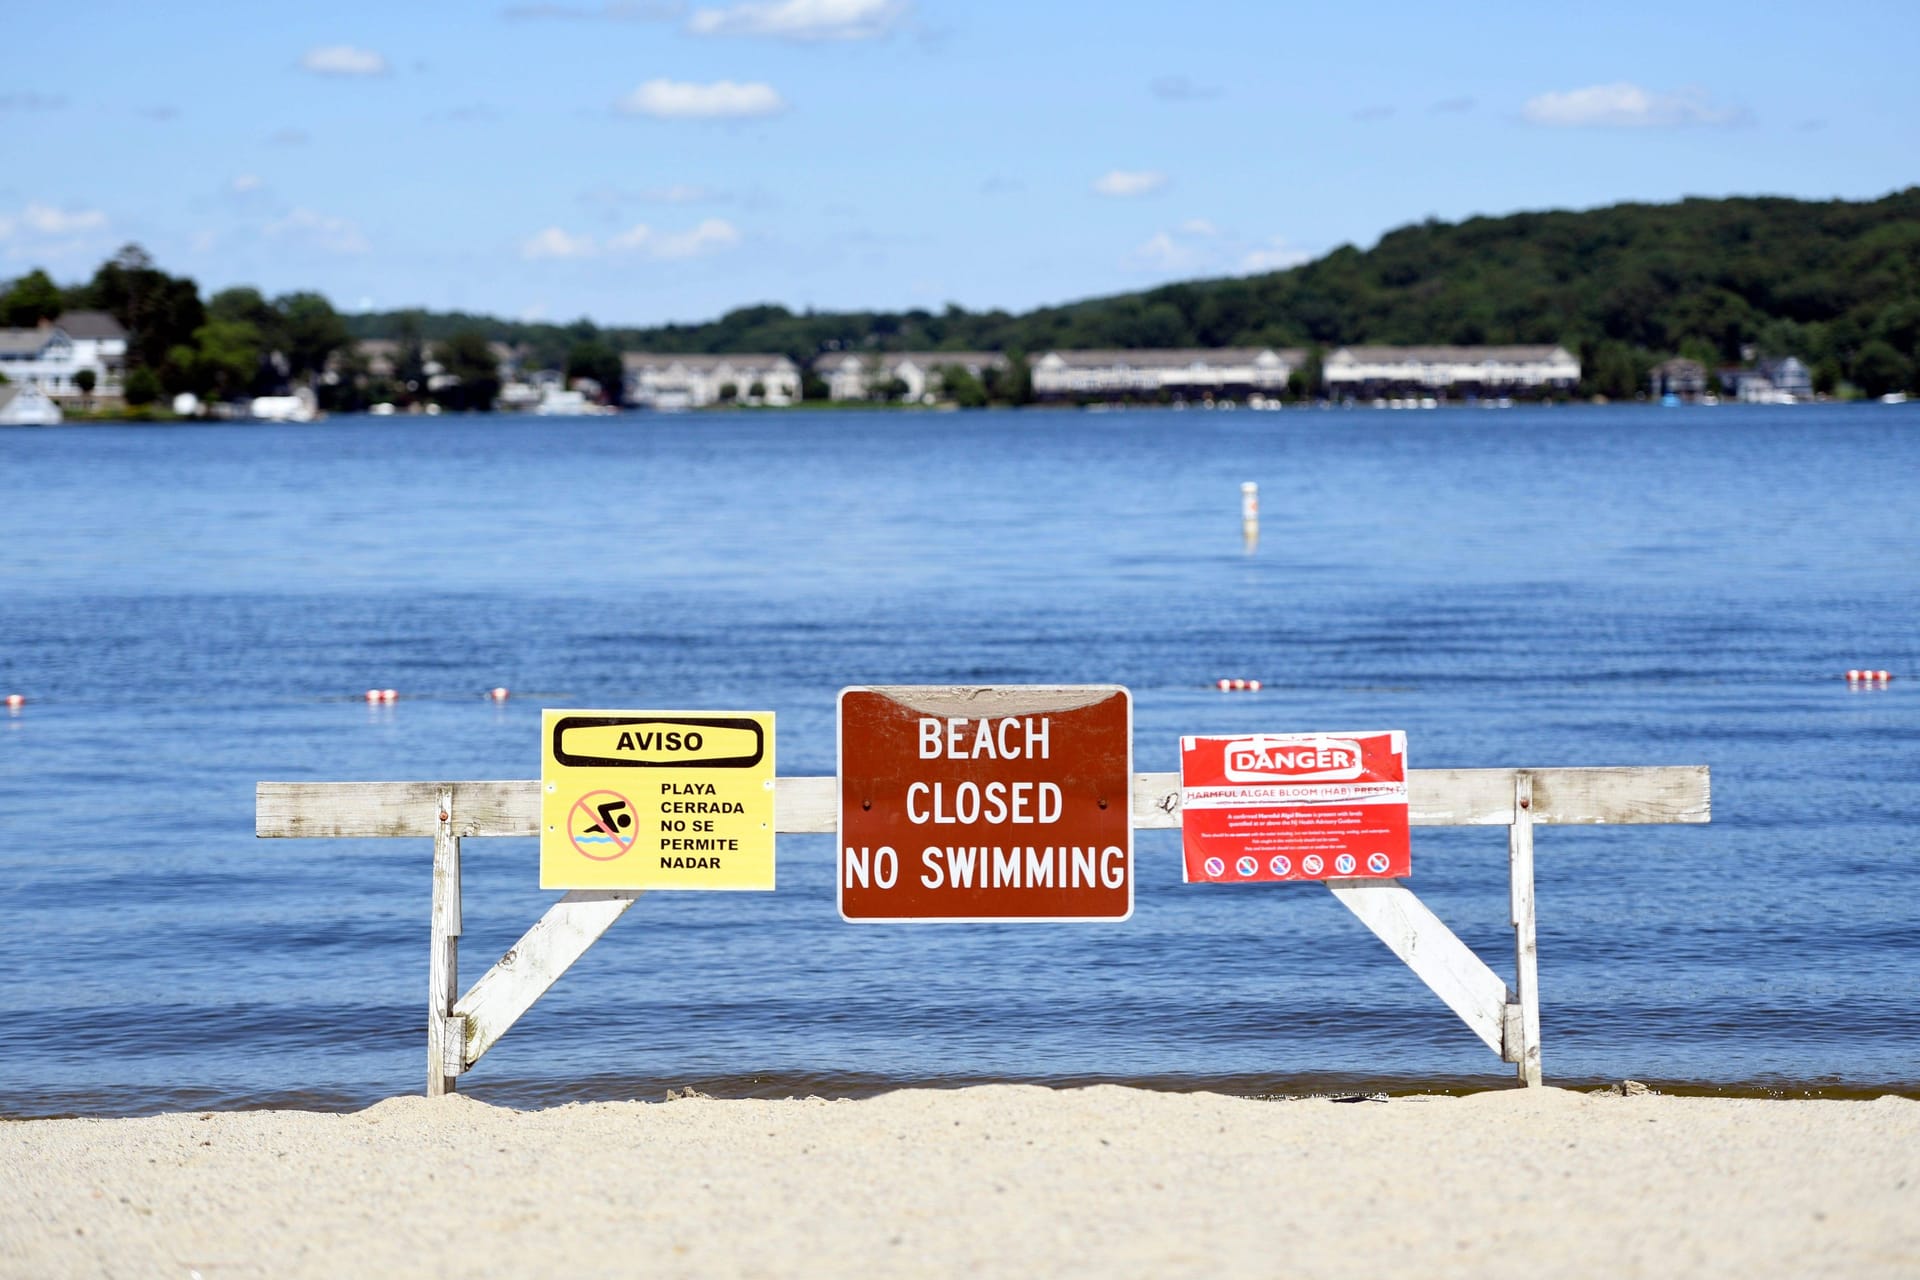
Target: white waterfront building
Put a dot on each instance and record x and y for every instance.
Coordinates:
(693, 382)
(855, 375)
(50, 355)
(1222, 373)
(1366, 372)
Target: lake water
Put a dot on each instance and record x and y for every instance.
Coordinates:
(192, 609)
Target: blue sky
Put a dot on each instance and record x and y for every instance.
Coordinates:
(657, 160)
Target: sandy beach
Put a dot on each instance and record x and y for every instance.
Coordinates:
(1000, 1180)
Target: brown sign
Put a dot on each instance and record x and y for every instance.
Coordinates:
(965, 803)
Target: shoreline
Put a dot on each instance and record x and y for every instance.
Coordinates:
(107, 1103)
(1005, 1179)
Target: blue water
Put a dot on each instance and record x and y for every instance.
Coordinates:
(192, 609)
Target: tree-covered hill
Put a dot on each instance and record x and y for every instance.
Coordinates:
(1834, 282)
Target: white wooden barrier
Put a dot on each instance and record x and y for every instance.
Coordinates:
(462, 1028)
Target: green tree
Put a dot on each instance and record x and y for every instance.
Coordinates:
(1878, 369)
(312, 331)
(593, 358)
(141, 386)
(245, 306)
(85, 380)
(29, 300)
(225, 358)
(410, 361)
(159, 311)
(962, 387)
(728, 392)
(468, 358)
(1011, 385)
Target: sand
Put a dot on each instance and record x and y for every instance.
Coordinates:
(1000, 1180)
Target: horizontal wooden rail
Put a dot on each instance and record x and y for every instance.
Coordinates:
(1436, 797)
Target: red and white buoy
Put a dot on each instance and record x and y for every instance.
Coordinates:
(389, 695)
(498, 693)
(373, 695)
(15, 701)
(1236, 684)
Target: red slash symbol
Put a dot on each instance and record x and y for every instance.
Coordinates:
(601, 825)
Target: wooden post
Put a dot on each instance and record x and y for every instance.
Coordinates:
(1526, 960)
(446, 1034)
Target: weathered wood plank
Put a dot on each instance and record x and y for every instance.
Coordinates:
(1424, 943)
(1526, 960)
(443, 957)
(1437, 798)
(355, 810)
(535, 963)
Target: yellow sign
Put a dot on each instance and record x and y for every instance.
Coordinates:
(656, 800)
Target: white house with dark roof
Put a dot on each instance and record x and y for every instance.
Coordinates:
(51, 354)
(1187, 373)
(855, 375)
(1365, 372)
(695, 381)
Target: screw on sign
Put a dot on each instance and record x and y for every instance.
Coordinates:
(962, 803)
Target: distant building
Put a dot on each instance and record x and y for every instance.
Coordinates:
(1221, 373)
(693, 382)
(27, 406)
(1686, 379)
(51, 355)
(1367, 372)
(1781, 380)
(855, 375)
(1789, 376)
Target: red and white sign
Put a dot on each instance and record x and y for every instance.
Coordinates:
(1294, 807)
(963, 803)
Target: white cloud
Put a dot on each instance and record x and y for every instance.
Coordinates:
(1198, 247)
(322, 231)
(633, 11)
(801, 19)
(45, 220)
(42, 231)
(721, 100)
(710, 236)
(556, 243)
(1164, 252)
(1275, 255)
(244, 183)
(1130, 182)
(680, 193)
(1624, 105)
(343, 60)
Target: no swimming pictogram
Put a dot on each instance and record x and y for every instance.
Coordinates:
(601, 825)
